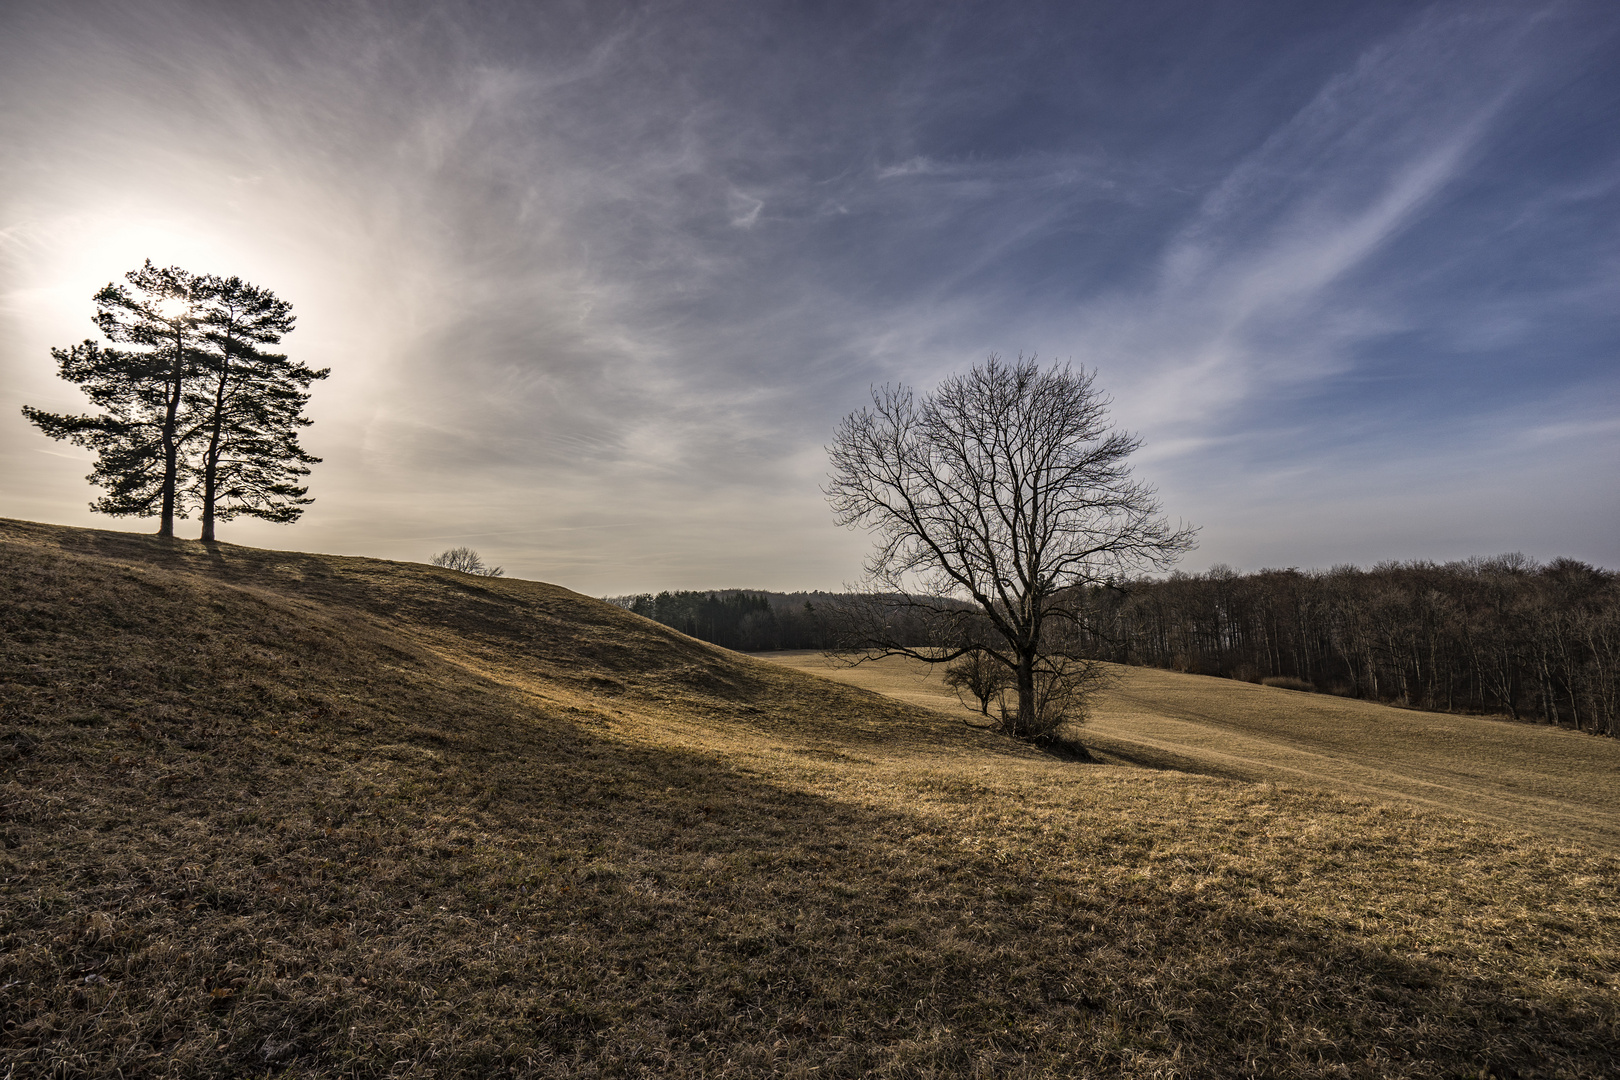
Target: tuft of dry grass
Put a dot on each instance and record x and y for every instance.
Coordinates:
(268, 813)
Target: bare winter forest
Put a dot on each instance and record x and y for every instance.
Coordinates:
(1501, 635)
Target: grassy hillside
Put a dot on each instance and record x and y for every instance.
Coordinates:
(269, 813)
(1561, 783)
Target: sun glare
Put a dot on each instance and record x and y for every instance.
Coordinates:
(173, 308)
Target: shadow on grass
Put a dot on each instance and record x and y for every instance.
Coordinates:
(1111, 750)
(1065, 748)
(589, 904)
(418, 873)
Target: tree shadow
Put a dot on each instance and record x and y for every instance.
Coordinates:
(1111, 751)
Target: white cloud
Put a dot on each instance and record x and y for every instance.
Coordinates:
(744, 208)
(1249, 300)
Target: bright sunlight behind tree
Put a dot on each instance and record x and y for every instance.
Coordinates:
(138, 436)
(198, 414)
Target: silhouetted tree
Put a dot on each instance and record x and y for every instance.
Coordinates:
(198, 414)
(1006, 487)
(466, 560)
(138, 437)
(246, 407)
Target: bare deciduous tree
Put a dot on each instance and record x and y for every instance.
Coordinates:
(467, 561)
(979, 674)
(1008, 488)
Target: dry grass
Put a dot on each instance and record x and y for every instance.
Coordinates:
(1563, 784)
(280, 814)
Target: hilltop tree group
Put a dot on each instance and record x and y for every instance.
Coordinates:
(196, 411)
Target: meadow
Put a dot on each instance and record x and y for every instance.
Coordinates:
(269, 813)
(1560, 783)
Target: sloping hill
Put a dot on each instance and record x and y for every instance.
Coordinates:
(1563, 784)
(267, 813)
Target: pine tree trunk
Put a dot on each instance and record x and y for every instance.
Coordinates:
(166, 518)
(171, 444)
(208, 503)
(211, 461)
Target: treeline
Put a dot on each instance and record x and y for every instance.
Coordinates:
(1501, 635)
(740, 619)
(756, 620)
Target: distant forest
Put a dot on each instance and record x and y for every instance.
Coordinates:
(1502, 635)
(740, 619)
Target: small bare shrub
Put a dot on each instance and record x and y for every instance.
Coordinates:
(467, 561)
(1289, 682)
(981, 675)
(1064, 688)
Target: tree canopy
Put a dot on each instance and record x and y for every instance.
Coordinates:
(139, 434)
(247, 404)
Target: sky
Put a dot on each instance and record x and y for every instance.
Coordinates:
(597, 281)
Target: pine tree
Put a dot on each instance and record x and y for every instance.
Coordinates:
(138, 438)
(246, 408)
(199, 413)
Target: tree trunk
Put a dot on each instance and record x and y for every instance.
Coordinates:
(211, 463)
(208, 509)
(171, 443)
(170, 456)
(1024, 724)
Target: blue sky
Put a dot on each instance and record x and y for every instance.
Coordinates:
(597, 281)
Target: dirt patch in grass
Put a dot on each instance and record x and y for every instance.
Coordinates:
(279, 814)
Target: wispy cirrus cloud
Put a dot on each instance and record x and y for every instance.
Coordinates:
(630, 264)
(1256, 293)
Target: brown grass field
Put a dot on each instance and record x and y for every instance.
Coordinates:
(1563, 784)
(276, 814)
